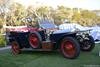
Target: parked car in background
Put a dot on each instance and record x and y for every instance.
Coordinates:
(94, 31)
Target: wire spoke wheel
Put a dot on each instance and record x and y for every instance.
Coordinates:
(88, 45)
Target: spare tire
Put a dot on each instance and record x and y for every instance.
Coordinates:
(34, 39)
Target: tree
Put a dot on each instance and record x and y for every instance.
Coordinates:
(4, 5)
(63, 13)
(17, 12)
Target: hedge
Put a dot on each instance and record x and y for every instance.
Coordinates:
(2, 41)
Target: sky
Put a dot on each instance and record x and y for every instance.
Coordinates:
(85, 4)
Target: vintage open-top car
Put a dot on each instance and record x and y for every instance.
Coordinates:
(49, 37)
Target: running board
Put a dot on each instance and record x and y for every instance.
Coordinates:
(47, 45)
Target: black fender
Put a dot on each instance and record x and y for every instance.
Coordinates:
(14, 39)
(39, 37)
(57, 46)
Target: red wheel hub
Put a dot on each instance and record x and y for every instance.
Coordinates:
(33, 40)
(68, 48)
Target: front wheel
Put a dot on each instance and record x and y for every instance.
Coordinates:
(88, 45)
(70, 47)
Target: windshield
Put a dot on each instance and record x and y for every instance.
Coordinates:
(45, 23)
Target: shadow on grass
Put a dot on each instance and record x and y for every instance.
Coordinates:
(52, 53)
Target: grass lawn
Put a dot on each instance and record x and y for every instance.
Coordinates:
(49, 59)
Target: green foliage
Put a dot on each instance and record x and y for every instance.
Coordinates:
(88, 14)
(2, 41)
(76, 16)
(17, 12)
(62, 13)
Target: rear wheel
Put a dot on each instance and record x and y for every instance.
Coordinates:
(33, 40)
(15, 48)
(70, 47)
(88, 45)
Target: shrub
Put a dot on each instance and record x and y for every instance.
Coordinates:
(2, 41)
